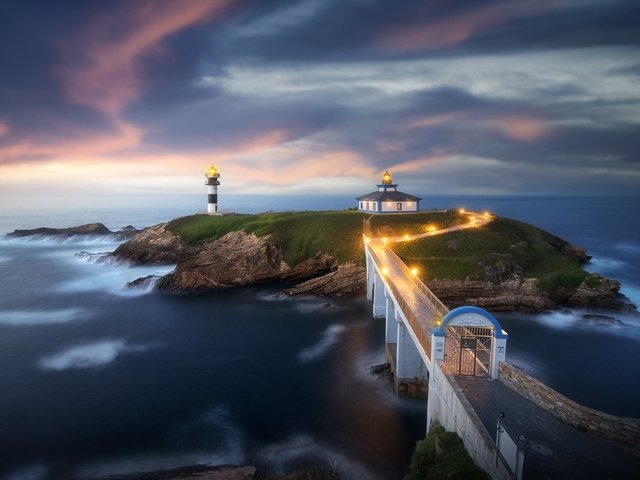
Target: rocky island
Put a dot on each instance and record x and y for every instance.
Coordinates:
(503, 265)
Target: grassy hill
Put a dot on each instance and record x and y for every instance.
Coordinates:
(492, 252)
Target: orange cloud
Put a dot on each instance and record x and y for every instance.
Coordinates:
(521, 128)
(126, 136)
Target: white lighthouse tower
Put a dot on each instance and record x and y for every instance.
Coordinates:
(213, 180)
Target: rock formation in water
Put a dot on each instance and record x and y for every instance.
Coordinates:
(239, 259)
(87, 229)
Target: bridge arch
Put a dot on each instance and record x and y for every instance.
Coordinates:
(469, 341)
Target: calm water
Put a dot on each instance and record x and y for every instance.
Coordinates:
(97, 379)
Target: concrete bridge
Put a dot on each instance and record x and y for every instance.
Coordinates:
(456, 356)
(427, 344)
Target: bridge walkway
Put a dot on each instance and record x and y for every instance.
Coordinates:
(552, 448)
(420, 306)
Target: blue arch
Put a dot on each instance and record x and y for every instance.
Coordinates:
(456, 312)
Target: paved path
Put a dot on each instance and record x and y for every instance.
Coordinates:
(553, 449)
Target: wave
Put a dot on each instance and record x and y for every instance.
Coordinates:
(606, 323)
(5, 258)
(303, 450)
(329, 338)
(605, 264)
(63, 240)
(628, 247)
(91, 355)
(101, 258)
(114, 279)
(30, 472)
(21, 318)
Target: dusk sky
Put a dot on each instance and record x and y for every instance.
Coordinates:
(320, 96)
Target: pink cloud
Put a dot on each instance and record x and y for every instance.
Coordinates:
(441, 33)
(4, 128)
(455, 29)
(521, 127)
(103, 68)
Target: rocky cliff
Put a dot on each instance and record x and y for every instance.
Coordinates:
(524, 294)
(239, 259)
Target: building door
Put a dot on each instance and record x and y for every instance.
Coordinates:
(468, 351)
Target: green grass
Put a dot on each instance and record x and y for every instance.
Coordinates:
(412, 224)
(494, 252)
(451, 463)
(300, 234)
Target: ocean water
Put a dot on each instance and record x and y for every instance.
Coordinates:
(100, 379)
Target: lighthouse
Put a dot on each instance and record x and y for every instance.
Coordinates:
(213, 180)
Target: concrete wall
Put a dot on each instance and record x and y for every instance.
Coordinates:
(622, 429)
(393, 206)
(449, 407)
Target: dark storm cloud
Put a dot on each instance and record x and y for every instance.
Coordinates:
(514, 94)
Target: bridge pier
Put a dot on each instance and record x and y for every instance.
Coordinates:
(411, 372)
(391, 329)
(379, 297)
(370, 277)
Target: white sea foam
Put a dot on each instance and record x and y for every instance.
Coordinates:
(622, 324)
(628, 247)
(20, 318)
(329, 338)
(61, 240)
(92, 355)
(287, 455)
(112, 279)
(605, 264)
(29, 472)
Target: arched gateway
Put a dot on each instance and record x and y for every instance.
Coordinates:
(469, 341)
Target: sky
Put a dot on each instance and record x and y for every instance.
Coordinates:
(535, 97)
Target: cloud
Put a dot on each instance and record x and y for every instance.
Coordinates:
(103, 68)
(4, 127)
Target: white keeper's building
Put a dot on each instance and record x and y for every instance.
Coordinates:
(387, 199)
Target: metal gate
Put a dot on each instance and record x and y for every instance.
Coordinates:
(468, 351)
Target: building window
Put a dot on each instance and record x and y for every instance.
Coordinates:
(361, 205)
(399, 206)
(367, 205)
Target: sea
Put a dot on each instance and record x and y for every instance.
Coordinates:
(100, 379)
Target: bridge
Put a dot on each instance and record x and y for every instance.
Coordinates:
(456, 356)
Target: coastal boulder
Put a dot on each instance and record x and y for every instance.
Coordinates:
(348, 280)
(236, 259)
(154, 245)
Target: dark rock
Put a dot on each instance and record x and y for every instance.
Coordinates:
(348, 280)
(155, 245)
(144, 282)
(87, 229)
(236, 259)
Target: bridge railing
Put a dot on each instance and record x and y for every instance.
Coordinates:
(421, 326)
(439, 308)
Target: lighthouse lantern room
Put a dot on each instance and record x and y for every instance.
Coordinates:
(213, 180)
